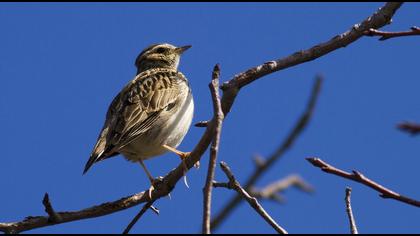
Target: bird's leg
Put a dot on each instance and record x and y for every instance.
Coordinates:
(183, 156)
(152, 180)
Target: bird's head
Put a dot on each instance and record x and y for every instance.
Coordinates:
(159, 56)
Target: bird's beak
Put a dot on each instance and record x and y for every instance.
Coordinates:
(180, 50)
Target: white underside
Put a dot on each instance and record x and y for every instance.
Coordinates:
(169, 129)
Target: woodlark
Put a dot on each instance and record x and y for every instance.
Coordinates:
(151, 114)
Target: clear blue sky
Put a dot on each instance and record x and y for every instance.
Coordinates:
(62, 64)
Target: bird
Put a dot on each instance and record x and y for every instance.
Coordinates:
(151, 114)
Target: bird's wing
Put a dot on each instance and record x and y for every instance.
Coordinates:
(135, 109)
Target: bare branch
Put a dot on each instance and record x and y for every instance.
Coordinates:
(272, 190)
(100, 210)
(231, 89)
(353, 226)
(253, 202)
(214, 88)
(378, 19)
(387, 35)
(410, 127)
(138, 216)
(359, 177)
(263, 165)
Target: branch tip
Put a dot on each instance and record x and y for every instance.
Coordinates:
(360, 178)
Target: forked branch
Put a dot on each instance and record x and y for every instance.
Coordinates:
(253, 202)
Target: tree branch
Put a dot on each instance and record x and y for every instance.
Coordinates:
(410, 127)
(231, 89)
(359, 177)
(378, 19)
(253, 202)
(263, 165)
(353, 226)
(387, 35)
(214, 88)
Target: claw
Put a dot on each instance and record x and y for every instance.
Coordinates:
(183, 156)
(150, 191)
(184, 167)
(185, 170)
(197, 165)
(185, 181)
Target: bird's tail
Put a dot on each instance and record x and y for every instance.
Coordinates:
(101, 151)
(94, 157)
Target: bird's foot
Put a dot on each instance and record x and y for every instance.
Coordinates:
(184, 172)
(153, 185)
(183, 156)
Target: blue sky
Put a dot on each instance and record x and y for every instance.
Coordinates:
(61, 65)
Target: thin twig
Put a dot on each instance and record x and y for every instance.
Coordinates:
(353, 226)
(155, 210)
(53, 216)
(220, 184)
(273, 190)
(138, 216)
(264, 165)
(359, 177)
(217, 109)
(253, 202)
(387, 35)
(201, 124)
(231, 89)
(410, 127)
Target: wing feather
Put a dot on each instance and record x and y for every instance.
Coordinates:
(135, 109)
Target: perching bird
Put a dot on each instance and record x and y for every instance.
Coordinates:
(151, 114)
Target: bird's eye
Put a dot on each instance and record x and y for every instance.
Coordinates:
(161, 50)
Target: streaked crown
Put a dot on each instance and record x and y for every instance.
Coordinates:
(159, 56)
